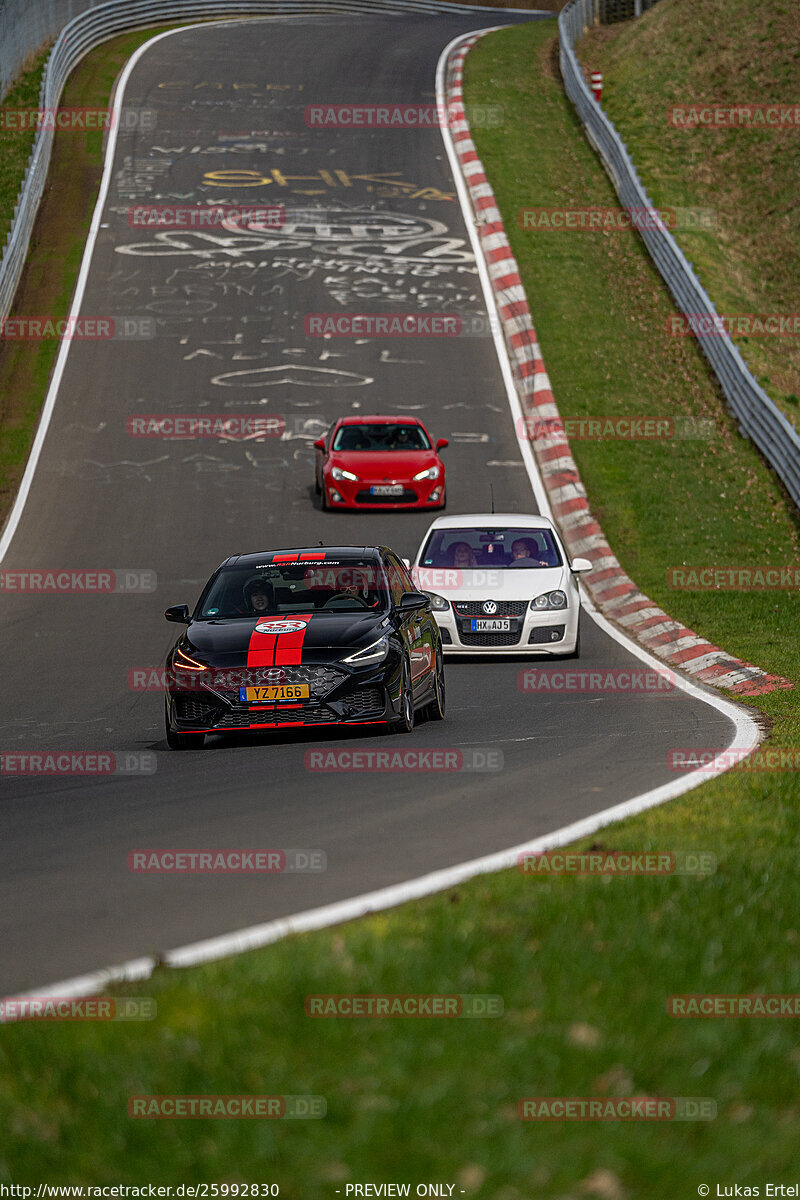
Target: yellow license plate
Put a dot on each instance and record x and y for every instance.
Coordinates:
(275, 694)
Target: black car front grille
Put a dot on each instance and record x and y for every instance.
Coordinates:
(505, 608)
(366, 497)
(305, 714)
(490, 639)
(198, 711)
(321, 679)
(367, 702)
(544, 634)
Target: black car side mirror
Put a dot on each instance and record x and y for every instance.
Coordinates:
(179, 613)
(413, 602)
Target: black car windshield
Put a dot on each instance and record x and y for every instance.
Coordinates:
(281, 589)
(507, 548)
(380, 437)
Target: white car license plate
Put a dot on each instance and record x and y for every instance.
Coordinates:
(491, 625)
(387, 489)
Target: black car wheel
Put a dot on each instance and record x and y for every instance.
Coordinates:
(436, 708)
(183, 741)
(405, 722)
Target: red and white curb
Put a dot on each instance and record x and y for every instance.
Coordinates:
(614, 592)
(747, 734)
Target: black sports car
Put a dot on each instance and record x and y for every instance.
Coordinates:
(304, 637)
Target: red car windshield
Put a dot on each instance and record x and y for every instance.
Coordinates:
(380, 438)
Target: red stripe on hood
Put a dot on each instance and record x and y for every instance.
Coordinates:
(277, 649)
(261, 651)
(289, 648)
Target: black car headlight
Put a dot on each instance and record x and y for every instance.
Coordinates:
(182, 662)
(374, 653)
(438, 603)
(549, 600)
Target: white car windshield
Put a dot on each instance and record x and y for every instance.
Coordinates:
(505, 548)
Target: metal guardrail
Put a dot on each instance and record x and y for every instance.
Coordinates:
(758, 416)
(25, 26)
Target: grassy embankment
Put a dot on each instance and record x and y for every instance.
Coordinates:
(584, 964)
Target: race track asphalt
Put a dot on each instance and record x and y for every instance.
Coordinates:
(373, 226)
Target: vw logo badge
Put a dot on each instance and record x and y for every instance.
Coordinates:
(489, 607)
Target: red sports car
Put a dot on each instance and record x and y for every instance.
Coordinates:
(379, 462)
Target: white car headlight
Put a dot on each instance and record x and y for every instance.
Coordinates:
(438, 603)
(428, 473)
(549, 600)
(340, 473)
(374, 653)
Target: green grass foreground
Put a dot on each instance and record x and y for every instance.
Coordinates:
(584, 965)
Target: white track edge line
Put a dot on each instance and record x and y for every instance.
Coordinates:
(63, 351)
(747, 734)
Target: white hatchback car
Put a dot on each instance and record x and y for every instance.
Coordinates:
(501, 583)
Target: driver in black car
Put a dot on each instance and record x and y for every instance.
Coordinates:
(355, 584)
(259, 597)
